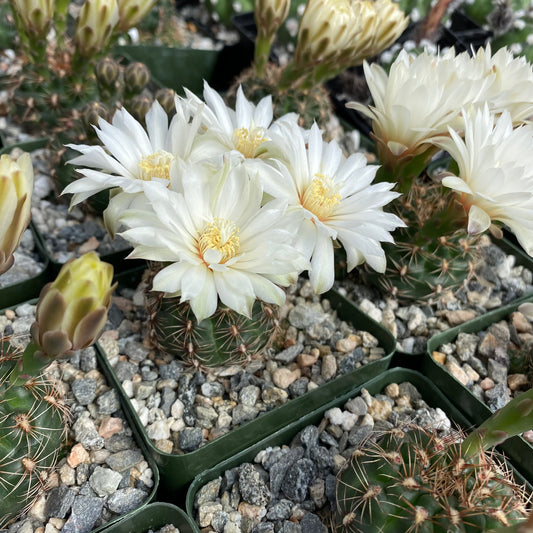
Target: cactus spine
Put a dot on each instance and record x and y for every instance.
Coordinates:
(414, 481)
(33, 426)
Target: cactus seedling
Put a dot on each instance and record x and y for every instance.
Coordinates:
(414, 481)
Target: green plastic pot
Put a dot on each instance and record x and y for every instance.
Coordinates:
(178, 470)
(30, 288)
(171, 67)
(517, 449)
(153, 516)
(127, 410)
(430, 393)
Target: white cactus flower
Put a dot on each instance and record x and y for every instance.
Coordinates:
(337, 201)
(220, 242)
(495, 177)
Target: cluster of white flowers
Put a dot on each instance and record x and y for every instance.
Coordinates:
(477, 109)
(234, 204)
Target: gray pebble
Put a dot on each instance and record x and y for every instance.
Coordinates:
(297, 479)
(189, 439)
(253, 489)
(86, 510)
(84, 390)
(126, 500)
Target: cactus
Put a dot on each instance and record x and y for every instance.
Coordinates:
(33, 425)
(416, 481)
(430, 254)
(225, 338)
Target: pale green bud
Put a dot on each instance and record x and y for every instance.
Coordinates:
(270, 15)
(96, 22)
(35, 15)
(72, 310)
(132, 12)
(16, 186)
(136, 77)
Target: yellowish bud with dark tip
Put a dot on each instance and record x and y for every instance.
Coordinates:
(34, 15)
(136, 77)
(132, 12)
(140, 105)
(167, 99)
(72, 310)
(96, 22)
(91, 112)
(107, 72)
(16, 186)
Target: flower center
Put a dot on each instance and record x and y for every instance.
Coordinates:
(247, 141)
(221, 236)
(156, 166)
(321, 196)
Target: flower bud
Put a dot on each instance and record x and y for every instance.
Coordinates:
(140, 105)
(136, 77)
(16, 185)
(132, 12)
(270, 15)
(107, 72)
(91, 112)
(167, 99)
(96, 23)
(72, 310)
(35, 15)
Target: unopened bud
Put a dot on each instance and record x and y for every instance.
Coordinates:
(72, 310)
(270, 15)
(107, 71)
(166, 97)
(91, 112)
(132, 12)
(96, 23)
(140, 105)
(16, 185)
(35, 15)
(136, 77)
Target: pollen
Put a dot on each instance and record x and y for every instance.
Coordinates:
(247, 141)
(220, 235)
(156, 166)
(321, 196)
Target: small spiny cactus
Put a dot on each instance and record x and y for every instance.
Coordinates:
(414, 481)
(223, 339)
(33, 426)
(429, 255)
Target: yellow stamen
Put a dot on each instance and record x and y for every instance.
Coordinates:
(156, 166)
(221, 235)
(321, 196)
(247, 141)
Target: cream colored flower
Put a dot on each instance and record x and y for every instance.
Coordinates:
(132, 12)
(511, 86)
(495, 178)
(96, 22)
(419, 98)
(72, 310)
(336, 34)
(217, 240)
(35, 15)
(337, 201)
(132, 159)
(16, 186)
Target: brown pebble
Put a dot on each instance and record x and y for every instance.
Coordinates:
(346, 345)
(439, 357)
(109, 426)
(521, 323)
(392, 390)
(457, 372)
(516, 381)
(486, 384)
(459, 316)
(9, 314)
(78, 455)
(306, 360)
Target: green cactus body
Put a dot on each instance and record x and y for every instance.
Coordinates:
(431, 254)
(225, 338)
(414, 481)
(33, 425)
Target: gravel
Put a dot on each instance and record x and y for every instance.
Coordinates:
(104, 473)
(291, 488)
(183, 408)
